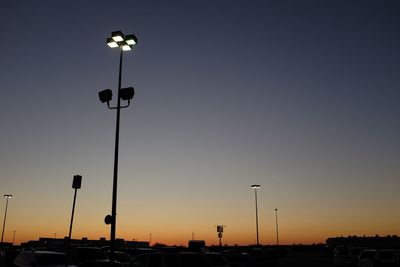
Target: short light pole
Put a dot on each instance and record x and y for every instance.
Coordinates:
(220, 231)
(76, 184)
(255, 187)
(124, 43)
(276, 223)
(7, 197)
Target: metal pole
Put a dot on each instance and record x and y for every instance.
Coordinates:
(14, 237)
(72, 215)
(115, 178)
(255, 192)
(4, 222)
(276, 220)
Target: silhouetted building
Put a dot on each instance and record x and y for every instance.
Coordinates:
(391, 241)
(196, 244)
(60, 243)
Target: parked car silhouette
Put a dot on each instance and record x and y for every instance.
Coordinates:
(124, 258)
(90, 257)
(134, 252)
(39, 258)
(239, 259)
(378, 258)
(216, 259)
(179, 259)
(157, 260)
(9, 255)
(346, 256)
(366, 258)
(386, 257)
(193, 259)
(260, 256)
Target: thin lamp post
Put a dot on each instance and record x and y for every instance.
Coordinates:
(116, 154)
(150, 239)
(255, 187)
(124, 43)
(14, 237)
(276, 223)
(220, 230)
(76, 184)
(5, 216)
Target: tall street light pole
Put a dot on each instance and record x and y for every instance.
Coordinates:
(124, 43)
(5, 216)
(276, 223)
(255, 187)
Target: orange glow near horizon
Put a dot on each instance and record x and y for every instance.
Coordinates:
(175, 226)
(171, 240)
(180, 236)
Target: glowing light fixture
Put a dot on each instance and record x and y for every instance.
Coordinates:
(118, 39)
(111, 43)
(131, 39)
(125, 46)
(117, 36)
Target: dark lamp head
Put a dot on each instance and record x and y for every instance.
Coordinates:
(105, 95)
(127, 93)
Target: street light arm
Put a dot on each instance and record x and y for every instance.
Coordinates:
(108, 105)
(127, 105)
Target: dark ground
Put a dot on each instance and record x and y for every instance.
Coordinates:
(309, 259)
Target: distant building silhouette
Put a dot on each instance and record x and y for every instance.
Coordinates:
(390, 241)
(85, 242)
(196, 244)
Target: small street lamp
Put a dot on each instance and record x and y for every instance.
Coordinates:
(220, 230)
(76, 184)
(7, 197)
(124, 43)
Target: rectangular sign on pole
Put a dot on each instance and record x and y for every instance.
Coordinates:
(76, 184)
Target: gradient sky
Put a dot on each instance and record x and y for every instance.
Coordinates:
(301, 97)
